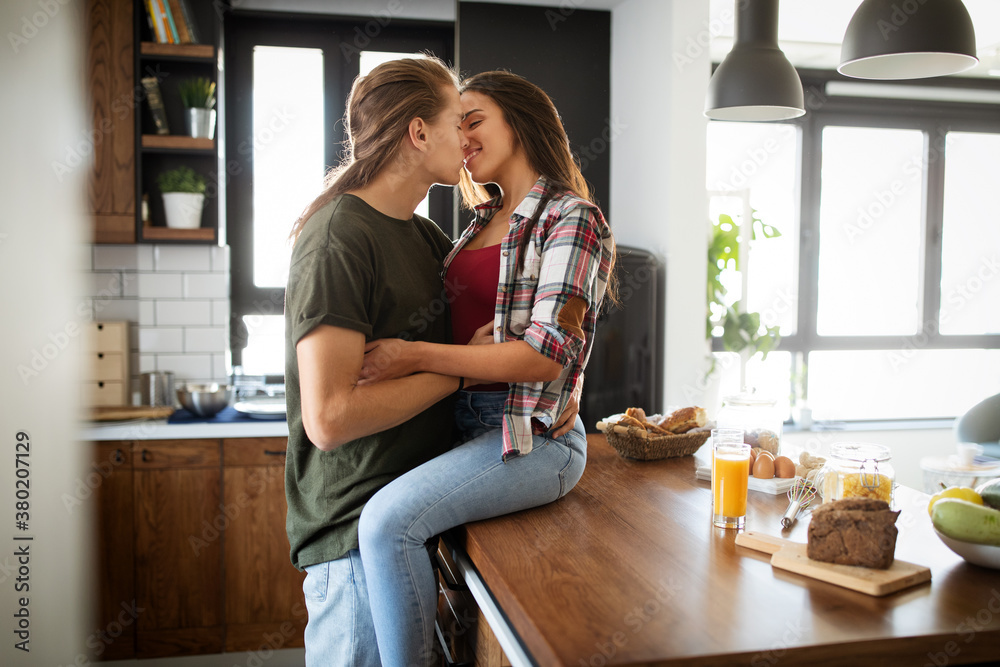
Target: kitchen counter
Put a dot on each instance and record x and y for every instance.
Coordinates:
(159, 429)
(627, 569)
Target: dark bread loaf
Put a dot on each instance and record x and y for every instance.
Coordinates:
(853, 531)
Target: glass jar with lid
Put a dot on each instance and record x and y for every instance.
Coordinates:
(857, 470)
(758, 416)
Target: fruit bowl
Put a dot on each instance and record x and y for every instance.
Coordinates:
(984, 555)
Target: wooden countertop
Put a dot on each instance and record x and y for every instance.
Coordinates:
(628, 570)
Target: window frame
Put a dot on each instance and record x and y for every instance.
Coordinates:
(243, 31)
(930, 117)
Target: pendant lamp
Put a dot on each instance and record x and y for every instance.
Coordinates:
(908, 39)
(755, 81)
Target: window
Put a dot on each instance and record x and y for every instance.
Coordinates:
(287, 86)
(889, 257)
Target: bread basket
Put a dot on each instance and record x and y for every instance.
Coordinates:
(632, 442)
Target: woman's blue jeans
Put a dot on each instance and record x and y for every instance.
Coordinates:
(468, 483)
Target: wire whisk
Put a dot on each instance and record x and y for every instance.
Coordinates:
(799, 497)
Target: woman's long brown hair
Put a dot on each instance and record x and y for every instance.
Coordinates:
(535, 123)
(379, 110)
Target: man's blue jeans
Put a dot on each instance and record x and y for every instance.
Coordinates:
(468, 483)
(339, 632)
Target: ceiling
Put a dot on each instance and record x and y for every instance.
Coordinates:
(810, 32)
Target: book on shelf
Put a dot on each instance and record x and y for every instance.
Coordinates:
(155, 100)
(182, 19)
(172, 27)
(156, 21)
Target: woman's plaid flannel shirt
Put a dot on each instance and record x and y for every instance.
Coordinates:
(552, 303)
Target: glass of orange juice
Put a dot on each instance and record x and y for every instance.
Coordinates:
(730, 476)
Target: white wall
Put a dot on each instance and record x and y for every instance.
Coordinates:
(660, 70)
(41, 251)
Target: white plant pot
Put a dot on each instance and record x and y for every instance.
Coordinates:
(183, 209)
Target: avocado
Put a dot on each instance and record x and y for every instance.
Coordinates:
(990, 491)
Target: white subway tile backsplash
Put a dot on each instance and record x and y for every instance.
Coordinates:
(220, 259)
(220, 367)
(220, 312)
(116, 257)
(146, 258)
(160, 285)
(118, 309)
(182, 258)
(161, 339)
(177, 299)
(130, 284)
(206, 339)
(147, 312)
(187, 312)
(206, 285)
(105, 284)
(147, 363)
(186, 367)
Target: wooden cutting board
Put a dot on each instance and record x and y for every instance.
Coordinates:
(791, 556)
(122, 412)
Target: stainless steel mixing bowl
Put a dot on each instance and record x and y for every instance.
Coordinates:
(204, 400)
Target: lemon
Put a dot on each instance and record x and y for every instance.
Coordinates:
(960, 492)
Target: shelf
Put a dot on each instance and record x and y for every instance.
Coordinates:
(178, 51)
(176, 142)
(151, 233)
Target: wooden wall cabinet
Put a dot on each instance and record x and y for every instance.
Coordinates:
(128, 153)
(166, 513)
(111, 74)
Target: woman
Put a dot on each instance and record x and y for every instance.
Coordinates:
(361, 266)
(534, 265)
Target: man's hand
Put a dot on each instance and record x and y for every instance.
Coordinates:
(567, 419)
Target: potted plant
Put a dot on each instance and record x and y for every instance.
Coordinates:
(198, 96)
(742, 331)
(183, 191)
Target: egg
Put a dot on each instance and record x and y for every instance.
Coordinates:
(763, 452)
(753, 457)
(763, 467)
(784, 467)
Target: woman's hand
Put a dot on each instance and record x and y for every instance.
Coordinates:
(483, 335)
(567, 420)
(386, 359)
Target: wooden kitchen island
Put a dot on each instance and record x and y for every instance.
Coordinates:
(628, 570)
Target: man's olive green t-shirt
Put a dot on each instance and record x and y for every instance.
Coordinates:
(356, 268)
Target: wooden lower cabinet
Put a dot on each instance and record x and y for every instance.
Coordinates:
(108, 484)
(191, 552)
(179, 523)
(265, 607)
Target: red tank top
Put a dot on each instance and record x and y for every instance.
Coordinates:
(472, 280)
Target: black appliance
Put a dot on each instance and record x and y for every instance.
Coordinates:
(626, 363)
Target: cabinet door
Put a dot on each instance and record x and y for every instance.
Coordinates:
(110, 478)
(265, 607)
(110, 67)
(179, 521)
